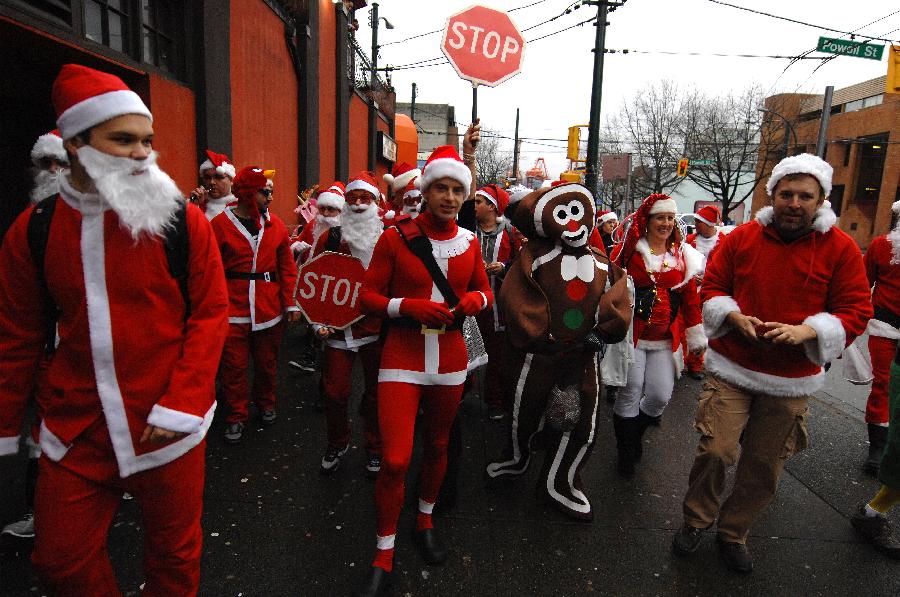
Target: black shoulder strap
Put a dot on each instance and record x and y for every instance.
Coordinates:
(420, 246)
(177, 245)
(38, 236)
(333, 242)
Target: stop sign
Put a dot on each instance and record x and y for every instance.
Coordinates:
(328, 287)
(483, 45)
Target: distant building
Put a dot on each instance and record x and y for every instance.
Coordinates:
(863, 146)
(436, 124)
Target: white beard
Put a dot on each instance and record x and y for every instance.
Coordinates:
(143, 196)
(46, 183)
(324, 223)
(361, 230)
(412, 211)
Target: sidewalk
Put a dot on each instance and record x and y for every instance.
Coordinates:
(275, 527)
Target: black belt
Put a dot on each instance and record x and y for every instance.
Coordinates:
(409, 322)
(265, 276)
(886, 315)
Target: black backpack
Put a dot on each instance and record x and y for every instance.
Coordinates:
(175, 241)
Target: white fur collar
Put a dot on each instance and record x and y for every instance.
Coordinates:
(823, 221)
(894, 238)
(690, 260)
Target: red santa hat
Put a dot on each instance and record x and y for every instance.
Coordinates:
(444, 162)
(84, 97)
(219, 162)
(606, 216)
(805, 163)
(333, 196)
(247, 183)
(401, 175)
(49, 145)
(364, 181)
(497, 196)
(709, 215)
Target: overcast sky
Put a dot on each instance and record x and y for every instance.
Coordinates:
(554, 88)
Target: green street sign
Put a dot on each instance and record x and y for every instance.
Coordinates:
(701, 162)
(850, 48)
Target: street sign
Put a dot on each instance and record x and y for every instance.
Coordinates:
(328, 288)
(701, 162)
(483, 45)
(845, 47)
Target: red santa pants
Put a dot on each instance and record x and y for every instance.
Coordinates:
(882, 351)
(240, 345)
(495, 346)
(337, 374)
(73, 515)
(398, 404)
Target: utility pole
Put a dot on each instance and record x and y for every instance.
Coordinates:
(515, 165)
(823, 121)
(373, 82)
(591, 174)
(412, 105)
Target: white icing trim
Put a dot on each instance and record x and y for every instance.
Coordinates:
(552, 194)
(100, 108)
(695, 337)
(173, 420)
(393, 308)
(756, 381)
(830, 339)
(545, 258)
(9, 445)
(421, 378)
(515, 466)
(715, 310)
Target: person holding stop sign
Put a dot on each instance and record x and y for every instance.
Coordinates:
(425, 276)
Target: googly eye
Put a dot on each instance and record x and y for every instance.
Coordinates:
(576, 210)
(561, 215)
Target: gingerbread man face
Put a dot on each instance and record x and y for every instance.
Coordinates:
(564, 213)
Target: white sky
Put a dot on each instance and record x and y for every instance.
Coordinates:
(554, 88)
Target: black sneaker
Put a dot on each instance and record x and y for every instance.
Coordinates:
(24, 528)
(233, 433)
(687, 540)
(877, 531)
(268, 417)
(373, 465)
(496, 413)
(306, 362)
(332, 459)
(736, 556)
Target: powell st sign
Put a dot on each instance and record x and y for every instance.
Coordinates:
(846, 47)
(483, 45)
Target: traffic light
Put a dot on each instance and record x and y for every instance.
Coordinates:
(574, 142)
(892, 85)
(682, 167)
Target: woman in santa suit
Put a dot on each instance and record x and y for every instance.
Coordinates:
(662, 267)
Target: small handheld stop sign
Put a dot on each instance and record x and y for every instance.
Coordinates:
(328, 288)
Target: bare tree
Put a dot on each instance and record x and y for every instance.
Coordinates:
(492, 161)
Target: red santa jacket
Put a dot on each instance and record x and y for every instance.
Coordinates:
(818, 279)
(503, 250)
(126, 353)
(395, 273)
(364, 331)
(884, 276)
(259, 302)
(596, 240)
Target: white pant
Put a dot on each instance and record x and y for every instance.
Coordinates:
(651, 378)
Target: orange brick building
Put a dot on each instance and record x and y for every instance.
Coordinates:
(863, 146)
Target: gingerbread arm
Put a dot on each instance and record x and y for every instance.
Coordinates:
(524, 305)
(615, 309)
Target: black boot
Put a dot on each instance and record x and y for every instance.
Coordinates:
(611, 392)
(377, 583)
(642, 421)
(877, 440)
(430, 547)
(626, 430)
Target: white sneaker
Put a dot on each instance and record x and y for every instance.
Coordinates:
(332, 459)
(21, 528)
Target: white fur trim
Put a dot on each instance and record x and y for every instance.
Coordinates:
(607, 217)
(401, 181)
(361, 185)
(445, 168)
(422, 378)
(895, 207)
(207, 165)
(652, 345)
(823, 221)
(383, 543)
(227, 169)
(459, 244)
(390, 214)
(830, 338)
(174, 420)
(714, 312)
(894, 238)
(704, 220)
(412, 193)
(805, 163)
(695, 337)
(694, 264)
(100, 108)
(484, 298)
(393, 308)
(664, 206)
(9, 445)
(488, 197)
(51, 445)
(765, 383)
(425, 507)
(882, 329)
(329, 199)
(298, 246)
(49, 146)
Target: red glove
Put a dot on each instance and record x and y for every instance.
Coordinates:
(471, 303)
(425, 311)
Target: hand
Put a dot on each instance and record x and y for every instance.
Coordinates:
(293, 316)
(158, 435)
(472, 137)
(782, 333)
(744, 324)
(324, 332)
(198, 195)
(493, 268)
(426, 312)
(471, 303)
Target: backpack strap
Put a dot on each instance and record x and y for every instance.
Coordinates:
(420, 246)
(38, 236)
(177, 246)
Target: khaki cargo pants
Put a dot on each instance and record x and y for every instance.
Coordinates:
(774, 428)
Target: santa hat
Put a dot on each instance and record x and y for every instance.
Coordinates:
(49, 145)
(662, 204)
(411, 190)
(401, 175)
(364, 181)
(333, 196)
(708, 214)
(805, 163)
(218, 161)
(444, 162)
(497, 196)
(606, 216)
(84, 97)
(247, 183)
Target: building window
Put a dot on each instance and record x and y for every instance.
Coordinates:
(866, 102)
(58, 9)
(847, 148)
(837, 198)
(160, 20)
(107, 22)
(872, 153)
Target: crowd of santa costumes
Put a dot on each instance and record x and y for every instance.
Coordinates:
(547, 284)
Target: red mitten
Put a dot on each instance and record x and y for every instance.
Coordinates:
(425, 311)
(471, 303)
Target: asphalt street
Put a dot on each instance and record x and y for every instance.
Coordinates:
(274, 526)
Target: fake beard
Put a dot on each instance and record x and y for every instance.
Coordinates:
(46, 183)
(142, 195)
(324, 223)
(361, 227)
(412, 210)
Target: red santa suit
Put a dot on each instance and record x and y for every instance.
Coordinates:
(882, 261)
(420, 363)
(223, 166)
(304, 245)
(261, 277)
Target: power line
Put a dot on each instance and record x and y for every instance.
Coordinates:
(716, 54)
